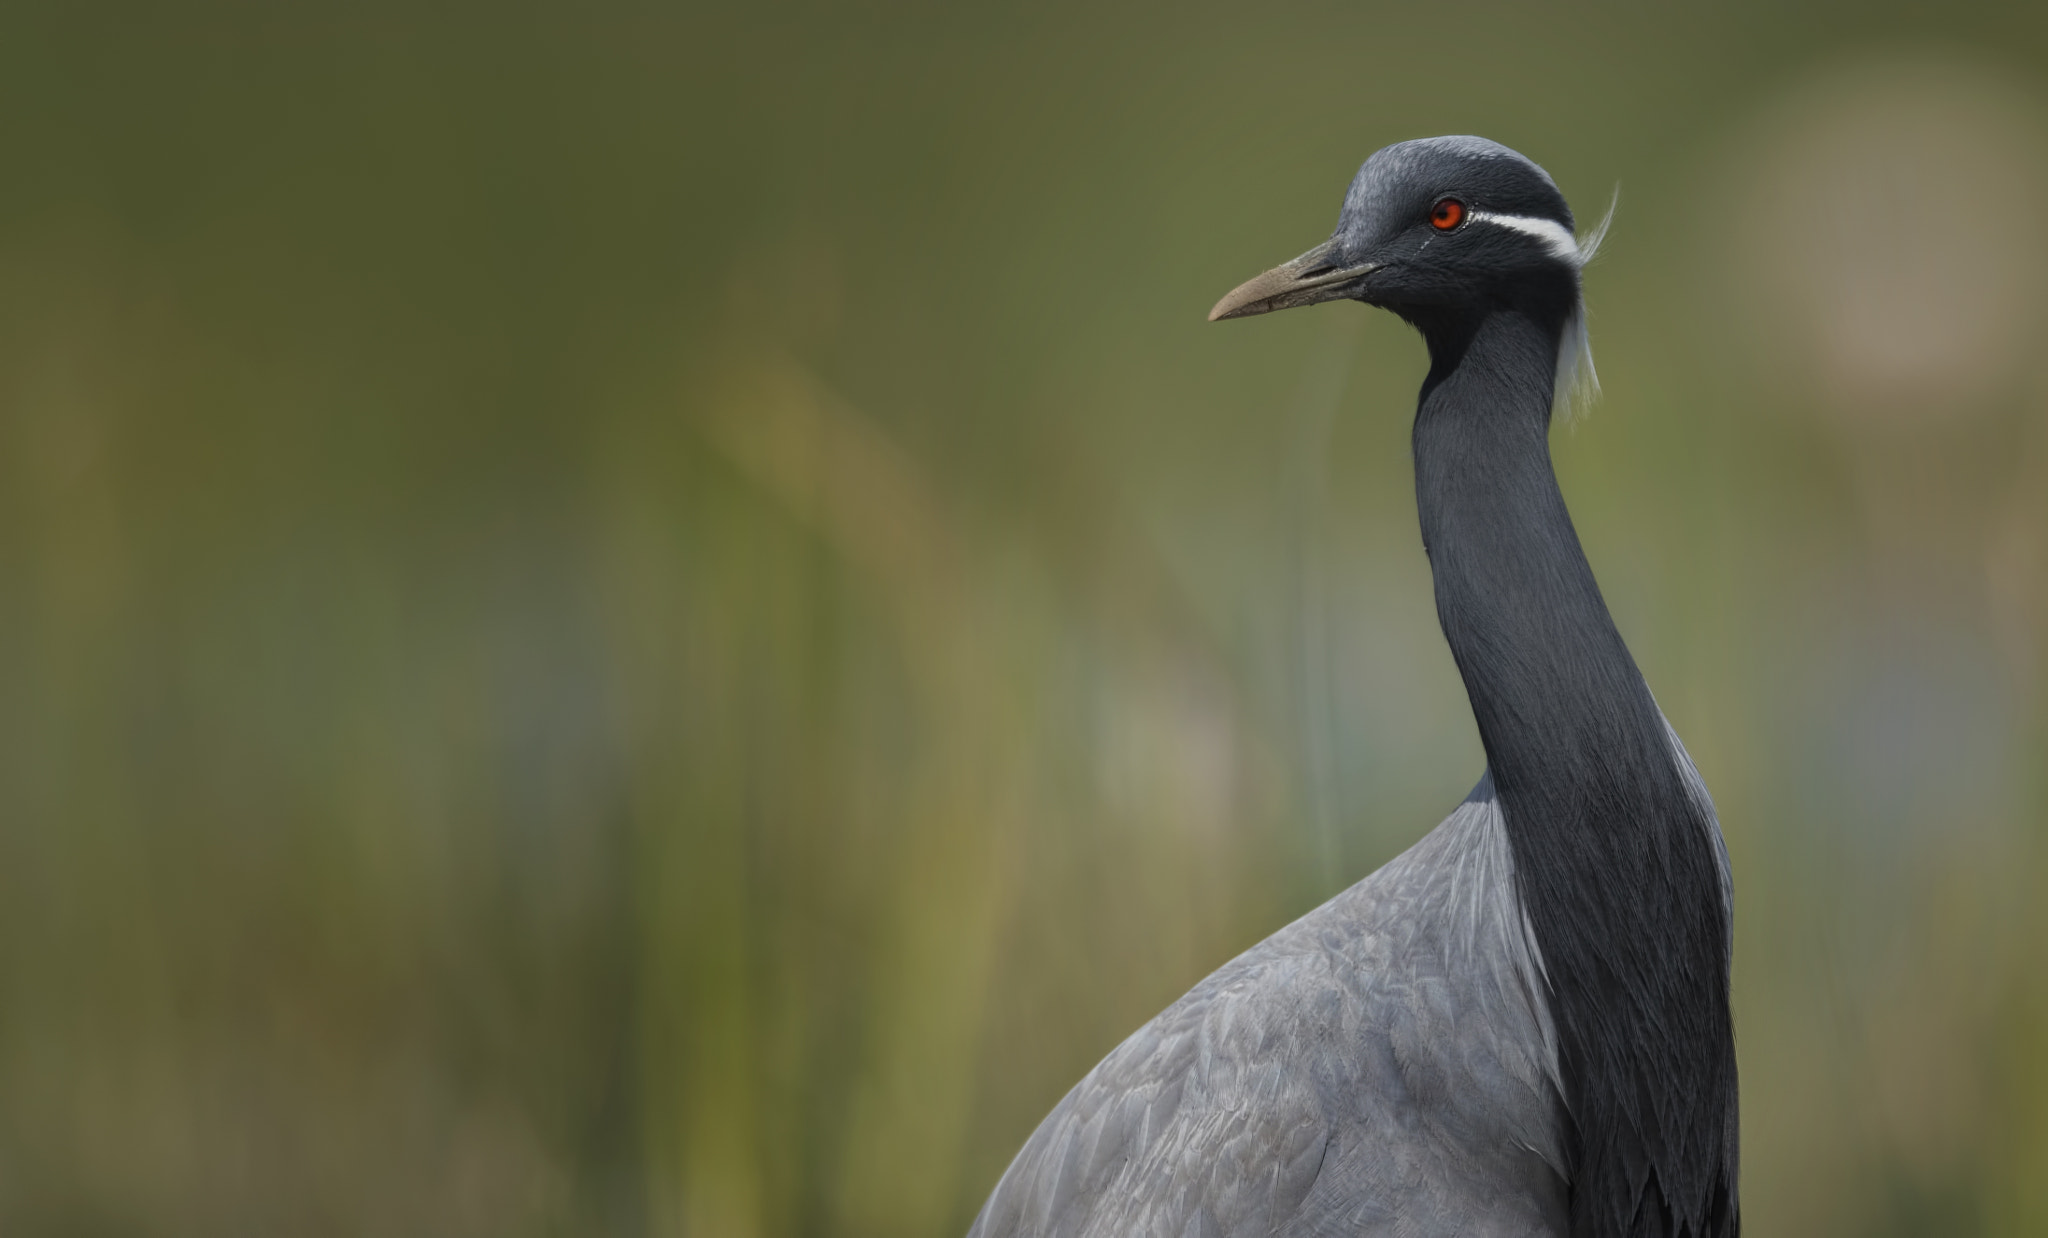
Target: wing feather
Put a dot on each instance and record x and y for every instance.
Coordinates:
(1381, 1066)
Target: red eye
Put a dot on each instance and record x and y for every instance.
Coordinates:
(1447, 214)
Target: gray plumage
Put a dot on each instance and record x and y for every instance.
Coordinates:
(1385, 1065)
(1387, 1048)
(1519, 1027)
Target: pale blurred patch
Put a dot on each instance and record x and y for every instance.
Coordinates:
(1888, 246)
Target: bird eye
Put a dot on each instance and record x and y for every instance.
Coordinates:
(1447, 214)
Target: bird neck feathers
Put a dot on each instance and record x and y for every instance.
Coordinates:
(1616, 860)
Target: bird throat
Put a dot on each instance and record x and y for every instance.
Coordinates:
(1615, 858)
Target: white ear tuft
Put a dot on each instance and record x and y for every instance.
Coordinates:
(1589, 244)
(1577, 385)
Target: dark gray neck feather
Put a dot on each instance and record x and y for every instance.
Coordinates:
(1614, 860)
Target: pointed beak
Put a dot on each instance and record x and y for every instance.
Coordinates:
(1318, 275)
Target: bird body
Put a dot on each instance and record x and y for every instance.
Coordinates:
(1384, 1056)
(1520, 1026)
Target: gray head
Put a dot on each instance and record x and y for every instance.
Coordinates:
(1432, 223)
(1440, 230)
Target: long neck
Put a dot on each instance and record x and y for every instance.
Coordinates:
(1615, 858)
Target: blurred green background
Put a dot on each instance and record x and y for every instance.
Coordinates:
(643, 620)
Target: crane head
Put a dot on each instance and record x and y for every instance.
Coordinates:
(1435, 225)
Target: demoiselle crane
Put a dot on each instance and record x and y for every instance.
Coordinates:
(1519, 1026)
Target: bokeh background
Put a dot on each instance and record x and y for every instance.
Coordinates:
(621, 619)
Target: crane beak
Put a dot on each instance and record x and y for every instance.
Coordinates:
(1318, 275)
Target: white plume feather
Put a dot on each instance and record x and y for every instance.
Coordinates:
(1577, 384)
